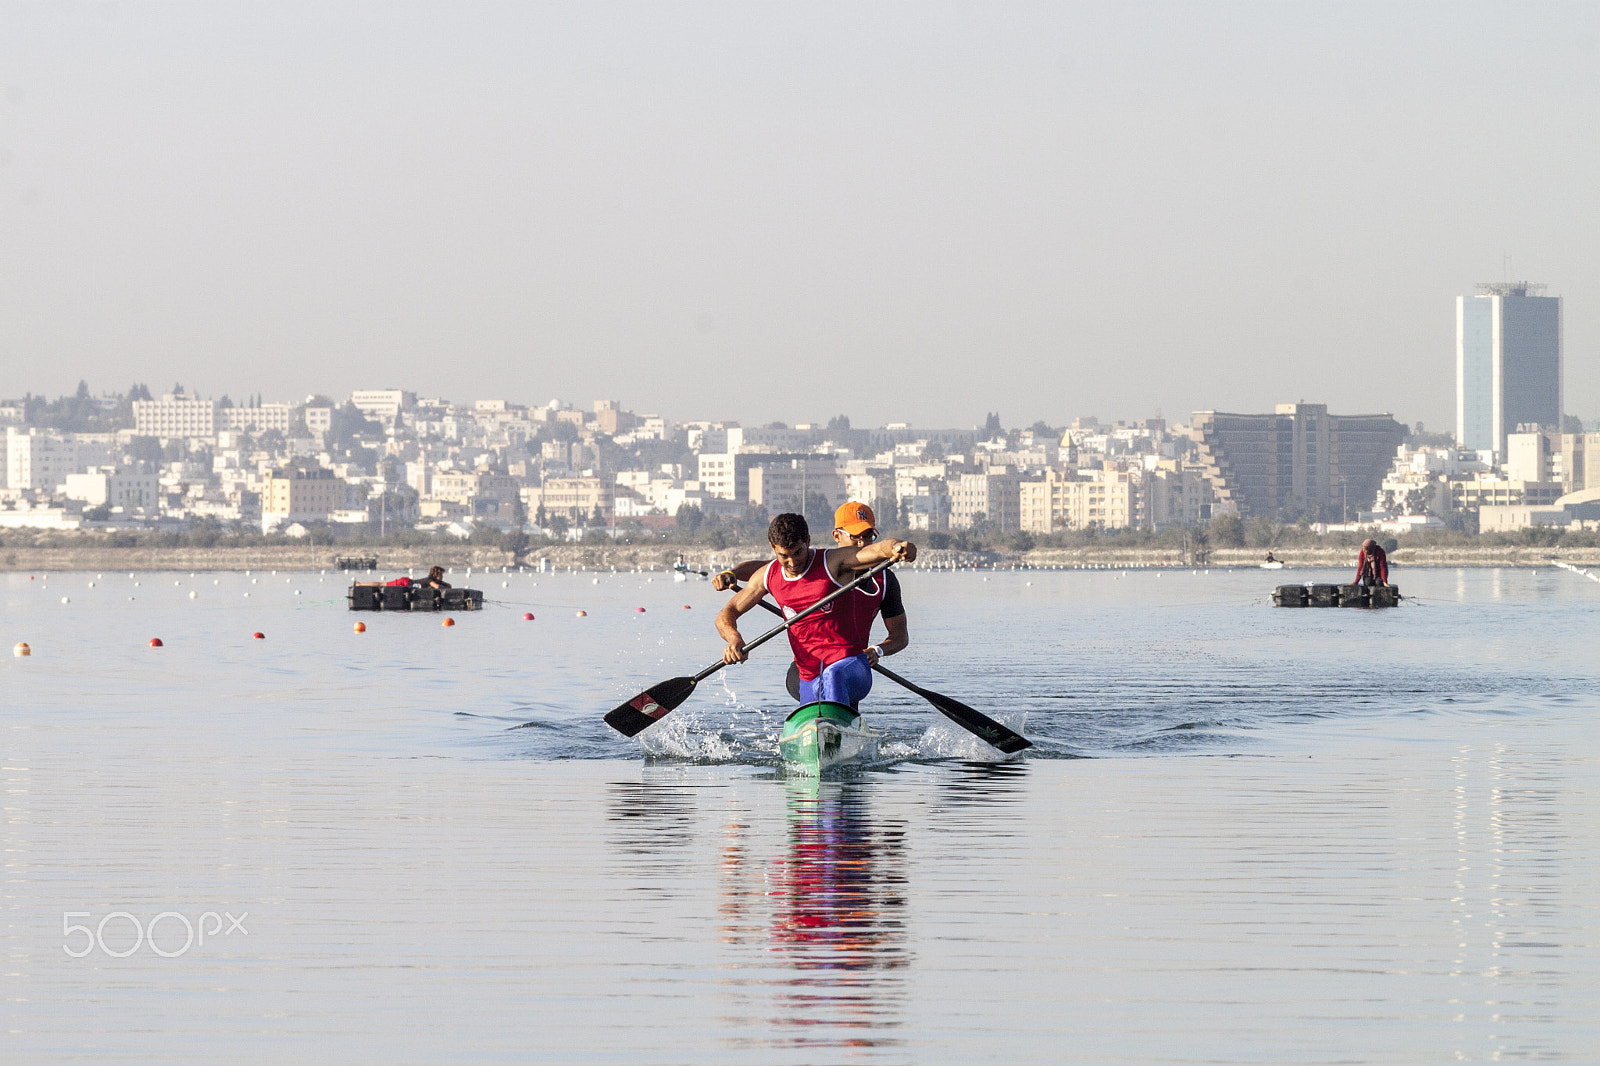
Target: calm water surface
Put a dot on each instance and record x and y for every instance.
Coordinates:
(1245, 835)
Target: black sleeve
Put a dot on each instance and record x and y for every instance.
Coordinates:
(892, 607)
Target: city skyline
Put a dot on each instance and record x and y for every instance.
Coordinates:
(734, 213)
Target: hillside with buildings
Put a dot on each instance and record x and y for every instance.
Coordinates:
(388, 464)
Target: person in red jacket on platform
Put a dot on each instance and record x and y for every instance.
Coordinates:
(1372, 565)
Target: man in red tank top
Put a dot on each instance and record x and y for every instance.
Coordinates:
(830, 646)
(854, 526)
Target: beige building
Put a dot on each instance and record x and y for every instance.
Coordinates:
(993, 494)
(1175, 496)
(1108, 499)
(300, 495)
(573, 498)
(777, 485)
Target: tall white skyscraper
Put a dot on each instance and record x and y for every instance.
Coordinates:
(1508, 363)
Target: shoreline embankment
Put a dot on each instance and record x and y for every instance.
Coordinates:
(659, 557)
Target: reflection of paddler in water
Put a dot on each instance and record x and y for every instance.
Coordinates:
(839, 893)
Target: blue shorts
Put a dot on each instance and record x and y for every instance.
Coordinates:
(845, 681)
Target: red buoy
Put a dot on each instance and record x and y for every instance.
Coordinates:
(527, 616)
(638, 610)
(155, 642)
(258, 636)
(448, 622)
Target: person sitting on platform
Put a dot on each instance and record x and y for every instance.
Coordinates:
(434, 580)
(1372, 565)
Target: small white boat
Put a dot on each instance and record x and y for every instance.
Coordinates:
(1272, 566)
(819, 736)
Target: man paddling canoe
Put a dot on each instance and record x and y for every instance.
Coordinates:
(854, 526)
(830, 646)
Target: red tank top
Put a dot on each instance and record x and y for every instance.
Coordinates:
(839, 630)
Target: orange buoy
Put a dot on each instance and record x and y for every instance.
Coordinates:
(527, 616)
(583, 614)
(258, 636)
(448, 622)
(155, 642)
(687, 607)
(361, 627)
(21, 649)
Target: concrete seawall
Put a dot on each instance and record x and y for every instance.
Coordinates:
(628, 557)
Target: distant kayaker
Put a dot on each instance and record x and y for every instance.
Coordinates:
(1372, 565)
(830, 647)
(854, 526)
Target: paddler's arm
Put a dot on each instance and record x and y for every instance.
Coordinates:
(848, 560)
(896, 641)
(726, 579)
(728, 618)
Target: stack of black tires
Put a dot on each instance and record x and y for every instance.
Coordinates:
(413, 598)
(1335, 596)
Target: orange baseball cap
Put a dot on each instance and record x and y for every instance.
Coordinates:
(854, 518)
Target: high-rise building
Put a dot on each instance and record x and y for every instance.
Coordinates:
(1508, 364)
(1298, 460)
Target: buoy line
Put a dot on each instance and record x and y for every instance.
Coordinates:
(1580, 572)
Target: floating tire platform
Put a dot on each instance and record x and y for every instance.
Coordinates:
(413, 598)
(1336, 596)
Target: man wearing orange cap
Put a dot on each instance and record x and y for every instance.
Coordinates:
(854, 526)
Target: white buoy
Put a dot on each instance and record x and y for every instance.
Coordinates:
(65, 600)
(194, 595)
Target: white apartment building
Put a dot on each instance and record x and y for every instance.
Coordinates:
(256, 419)
(37, 459)
(175, 416)
(384, 405)
(319, 420)
(99, 487)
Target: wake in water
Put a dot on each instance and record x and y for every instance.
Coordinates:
(735, 732)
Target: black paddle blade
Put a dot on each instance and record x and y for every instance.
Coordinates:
(650, 706)
(979, 725)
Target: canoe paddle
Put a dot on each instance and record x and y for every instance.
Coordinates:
(977, 723)
(657, 701)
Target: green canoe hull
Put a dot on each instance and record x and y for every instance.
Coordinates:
(819, 736)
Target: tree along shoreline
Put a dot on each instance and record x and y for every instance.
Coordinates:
(659, 556)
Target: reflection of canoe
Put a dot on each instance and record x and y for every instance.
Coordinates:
(1272, 566)
(680, 576)
(821, 735)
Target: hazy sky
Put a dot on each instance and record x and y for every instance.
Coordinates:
(916, 212)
